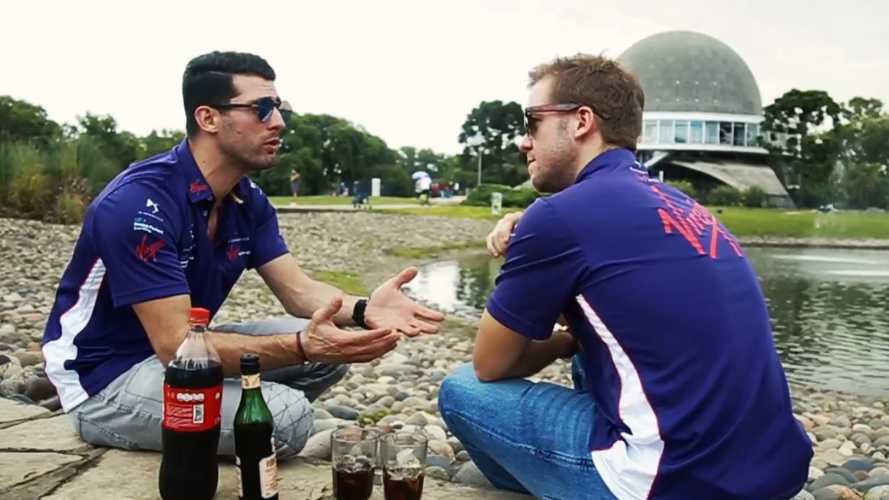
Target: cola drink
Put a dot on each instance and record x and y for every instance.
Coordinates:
(403, 483)
(353, 483)
(192, 407)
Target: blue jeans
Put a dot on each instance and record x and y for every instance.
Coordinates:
(527, 437)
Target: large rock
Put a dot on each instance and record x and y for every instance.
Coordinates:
(878, 493)
(10, 411)
(46, 434)
(318, 446)
(836, 492)
(16, 468)
(471, 475)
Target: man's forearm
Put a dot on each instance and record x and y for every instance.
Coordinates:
(275, 351)
(314, 295)
(539, 354)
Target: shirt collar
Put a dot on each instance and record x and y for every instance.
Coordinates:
(197, 186)
(610, 158)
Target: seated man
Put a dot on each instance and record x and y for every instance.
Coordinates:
(679, 392)
(177, 230)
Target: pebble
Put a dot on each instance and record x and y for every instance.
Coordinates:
(471, 475)
(878, 493)
(343, 412)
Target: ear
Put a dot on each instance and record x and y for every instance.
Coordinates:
(586, 123)
(208, 119)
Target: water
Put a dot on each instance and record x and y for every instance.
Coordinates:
(829, 309)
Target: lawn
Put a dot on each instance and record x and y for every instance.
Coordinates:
(341, 200)
(804, 223)
(740, 221)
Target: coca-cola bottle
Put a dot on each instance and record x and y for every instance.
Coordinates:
(192, 407)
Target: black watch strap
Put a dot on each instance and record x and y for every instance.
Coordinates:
(358, 313)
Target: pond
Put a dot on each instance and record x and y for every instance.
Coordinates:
(828, 309)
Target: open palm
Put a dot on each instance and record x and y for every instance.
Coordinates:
(388, 307)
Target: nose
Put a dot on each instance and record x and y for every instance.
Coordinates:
(277, 120)
(526, 144)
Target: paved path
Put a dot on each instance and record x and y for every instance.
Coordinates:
(306, 207)
(42, 457)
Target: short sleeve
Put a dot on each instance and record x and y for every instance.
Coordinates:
(268, 242)
(540, 274)
(135, 232)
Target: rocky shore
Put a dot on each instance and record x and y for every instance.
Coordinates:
(851, 433)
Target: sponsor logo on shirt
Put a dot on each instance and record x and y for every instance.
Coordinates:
(146, 251)
(234, 249)
(141, 224)
(149, 203)
(198, 187)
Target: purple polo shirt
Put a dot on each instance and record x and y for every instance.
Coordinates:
(143, 238)
(691, 397)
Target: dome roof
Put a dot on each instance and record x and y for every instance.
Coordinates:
(686, 71)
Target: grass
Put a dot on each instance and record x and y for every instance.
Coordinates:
(341, 200)
(345, 281)
(804, 223)
(428, 252)
(456, 211)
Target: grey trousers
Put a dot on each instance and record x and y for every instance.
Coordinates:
(128, 412)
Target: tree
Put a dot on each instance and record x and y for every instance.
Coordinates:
(25, 122)
(803, 152)
(121, 148)
(499, 124)
(158, 142)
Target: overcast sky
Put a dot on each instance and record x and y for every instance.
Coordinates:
(408, 71)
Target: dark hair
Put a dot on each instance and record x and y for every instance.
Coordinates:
(602, 84)
(208, 80)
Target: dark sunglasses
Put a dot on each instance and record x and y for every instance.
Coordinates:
(265, 107)
(531, 121)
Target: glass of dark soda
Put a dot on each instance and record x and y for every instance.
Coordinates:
(354, 456)
(404, 460)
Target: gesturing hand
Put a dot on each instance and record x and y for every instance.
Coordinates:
(323, 341)
(388, 307)
(498, 239)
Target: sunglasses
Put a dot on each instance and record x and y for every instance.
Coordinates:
(264, 106)
(531, 120)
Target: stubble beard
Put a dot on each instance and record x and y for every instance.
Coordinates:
(558, 171)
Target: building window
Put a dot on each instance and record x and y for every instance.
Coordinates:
(739, 134)
(649, 134)
(665, 132)
(712, 136)
(725, 133)
(752, 134)
(696, 135)
(680, 131)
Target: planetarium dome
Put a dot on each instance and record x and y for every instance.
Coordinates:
(687, 71)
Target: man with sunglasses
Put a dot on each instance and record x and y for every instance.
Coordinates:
(678, 390)
(176, 231)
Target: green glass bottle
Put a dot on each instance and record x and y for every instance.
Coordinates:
(254, 444)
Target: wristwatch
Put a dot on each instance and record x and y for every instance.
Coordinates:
(358, 313)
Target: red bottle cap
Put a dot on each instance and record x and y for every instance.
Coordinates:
(199, 316)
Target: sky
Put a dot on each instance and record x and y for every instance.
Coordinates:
(407, 71)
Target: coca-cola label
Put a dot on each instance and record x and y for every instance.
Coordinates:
(192, 410)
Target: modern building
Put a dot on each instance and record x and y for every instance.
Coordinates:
(702, 114)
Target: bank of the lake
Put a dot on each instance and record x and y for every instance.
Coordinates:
(851, 432)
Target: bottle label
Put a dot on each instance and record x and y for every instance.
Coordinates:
(268, 476)
(192, 410)
(238, 472)
(250, 381)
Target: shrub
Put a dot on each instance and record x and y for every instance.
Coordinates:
(725, 196)
(755, 197)
(70, 208)
(481, 196)
(684, 186)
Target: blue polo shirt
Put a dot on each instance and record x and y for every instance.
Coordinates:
(145, 237)
(691, 397)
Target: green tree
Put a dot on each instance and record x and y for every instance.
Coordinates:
(21, 121)
(498, 124)
(802, 151)
(121, 148)
(158, 142)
